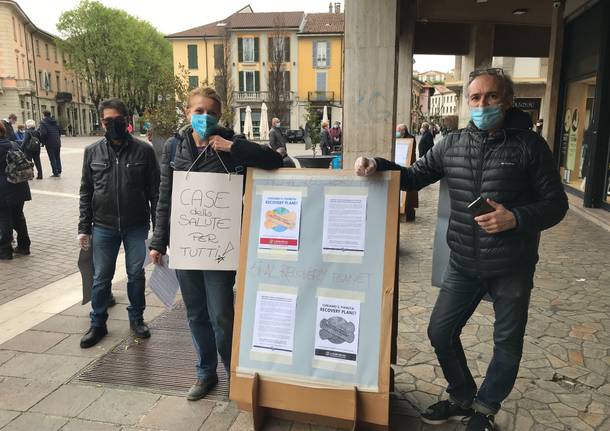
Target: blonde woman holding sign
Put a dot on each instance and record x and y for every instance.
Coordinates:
(204, 146)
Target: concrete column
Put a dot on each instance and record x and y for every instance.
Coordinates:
(370, 72)
(406, 32)
(551, 94)
(479, 56)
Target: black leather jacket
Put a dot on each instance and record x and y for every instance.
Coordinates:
(513, 167)
(118, 190)
(243, 154)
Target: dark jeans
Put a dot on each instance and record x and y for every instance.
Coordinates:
(456, 302)
(12, 218)
(36, 158)
(106, 244)
(53, 152)
(208, 296)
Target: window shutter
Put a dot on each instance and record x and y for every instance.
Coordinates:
(327, 53)
(257, 77)
(256, 49)
(240, 50)
(241, 81)
(270, 52)
(314, 62)
(192, 56)
(287, 49)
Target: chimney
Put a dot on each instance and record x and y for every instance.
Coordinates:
(330, 7)
(337, 7)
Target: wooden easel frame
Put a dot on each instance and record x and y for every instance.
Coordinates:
(335, 406)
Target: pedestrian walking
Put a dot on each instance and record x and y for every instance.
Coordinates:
(118, 197)
(516, 192)
(276, 137)
(426, 142)
(336, 136)
(203, 146)
(8, 127)
(31, 146)
(326, 144)
(12, 199)
(51, 140)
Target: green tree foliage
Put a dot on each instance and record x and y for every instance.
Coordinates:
(116, 54)
(313, 126)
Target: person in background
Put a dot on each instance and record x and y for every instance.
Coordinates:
(539, 125)
(426, 142)
(12, 199)
(8, 127)
(204, 146)
(19, 134)
(336, 136)
(51, 139)
(276, 137)
(31, 146)
(325, 141)
(402, 131)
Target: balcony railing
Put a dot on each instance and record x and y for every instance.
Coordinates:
(63, 97)
(321, 96)
(26, 86)
(259, 96)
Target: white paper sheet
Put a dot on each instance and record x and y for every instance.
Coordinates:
(274, 322)
(164, 283)
(280, 221)
(337, 328)
(344, 223)
(206, 221)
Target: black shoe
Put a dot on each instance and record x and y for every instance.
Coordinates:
(139, 328)
(112, 301)
(22, 250)
(481, 422)
(93, 336)
(444, 411)
(39, 177)
(202, 387)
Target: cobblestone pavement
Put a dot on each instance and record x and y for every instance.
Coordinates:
(562, 385)
(563, 379)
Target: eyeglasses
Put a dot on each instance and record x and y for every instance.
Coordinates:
(497, 71)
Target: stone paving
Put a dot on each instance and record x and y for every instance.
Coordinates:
(562, 384)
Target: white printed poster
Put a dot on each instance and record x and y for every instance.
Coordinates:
(205, 221)
(274, 322)
(344, 223)
(280, 221)
(337, 327)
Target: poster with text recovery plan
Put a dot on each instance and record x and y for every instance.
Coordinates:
(280, 221)
(206, 221)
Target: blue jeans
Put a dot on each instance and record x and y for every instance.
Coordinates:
(457, 300)
(53, 153)
(208, 296)
(106, 243)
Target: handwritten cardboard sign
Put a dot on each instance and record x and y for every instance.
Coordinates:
(206, 221)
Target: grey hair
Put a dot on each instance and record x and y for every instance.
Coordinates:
(508, 86)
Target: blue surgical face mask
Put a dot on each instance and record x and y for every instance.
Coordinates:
(398, 134)
(204, 124)
(487, 117)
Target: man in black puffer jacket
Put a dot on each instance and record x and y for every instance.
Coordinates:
(51, 139)
(495, 253)
(118, 197)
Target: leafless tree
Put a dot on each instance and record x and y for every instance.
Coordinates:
(223, 83)
(279, 77)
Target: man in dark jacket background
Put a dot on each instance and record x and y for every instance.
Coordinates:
(493, 253)
(51, 139)
(276, 138)
(9, 132)
(12, 198)
(118, 197)
(426, 142)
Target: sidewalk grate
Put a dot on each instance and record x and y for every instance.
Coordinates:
(163, 363)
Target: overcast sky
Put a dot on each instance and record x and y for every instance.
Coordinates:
(177, 15)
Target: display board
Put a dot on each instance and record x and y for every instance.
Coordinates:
(314, 294)
(404, 155)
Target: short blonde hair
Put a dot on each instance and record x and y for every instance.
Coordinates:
(30, 123)
(208, 92)
(324, 123)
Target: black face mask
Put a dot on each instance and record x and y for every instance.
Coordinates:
(116, 129)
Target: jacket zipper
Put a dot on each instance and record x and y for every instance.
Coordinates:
(116, 187)
(478, 186)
